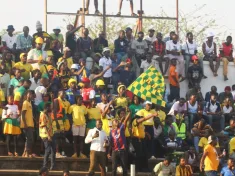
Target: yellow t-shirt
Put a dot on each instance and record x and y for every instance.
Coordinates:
(94, 113)
(144, 113)
(2, 99)
(138, 130)
(68, 60)
(42, 69)
(231, 146)
(204, 142)
(27, 106)
(28, 68)
(121, 101)
(212, 160)
(78, 113)
(107, 122)
(162, 116)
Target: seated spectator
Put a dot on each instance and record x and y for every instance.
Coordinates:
(179, 107)
(147, 63)
(161, 113)
(150, 39)
(194, 73)
(87, 92)
(226, 94)
(107, 117)
(120, 46)
(140, 48)
(7, 59)
(196, 90)
(24, 41)
(14, 82)
(182, 169)
(230, 130)
(67, 57)
(233, 91)
(66, 173)
(164, 168)
(172, 143)
(168, 127)
(191, 158)
(213, 91)
(180, 128)
(129, 37)
(173, 50)
(135, 106)
(43, 172)
(56, 54)
(158, 140)
(116, 67)
(227, 110)
(85, 45)
(232, 148)
(210, 53)
(174, 82)
(192, 110)
(199, 130)
(63, 75)
(4, 78)
(228, 170)
(226, 55)
(100, 43)
(59, 37)
(159, 48)
(35, 80)
(9, 39)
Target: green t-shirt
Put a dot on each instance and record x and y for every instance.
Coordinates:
(41, 106)
(134, 109)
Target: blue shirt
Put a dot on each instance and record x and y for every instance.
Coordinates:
(70, 96)
(23, 43)
(227, 172)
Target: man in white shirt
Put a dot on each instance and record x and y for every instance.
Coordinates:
(105, 62)
(40, 90)
(173, 50)
(150, 39)
(147, 63)
(99, 141)
(35, 80)
(9, 40)
(189, 49)
(178, 107)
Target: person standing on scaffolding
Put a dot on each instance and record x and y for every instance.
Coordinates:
(97, 12)
(131, 6)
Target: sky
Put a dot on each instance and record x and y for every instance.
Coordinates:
(26, 12)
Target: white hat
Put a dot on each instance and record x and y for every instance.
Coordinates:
(211, 138)
(38, 25)
(105, 49)
(75, 66)
(210, 34)
(57, 28)
(148, 102)
(66, 49)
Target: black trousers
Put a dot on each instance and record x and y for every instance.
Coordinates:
(50, 148)
(174, 93)
(119, 157)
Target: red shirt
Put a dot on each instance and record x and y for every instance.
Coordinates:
(160, 47)
(117, 138)
(226, 49)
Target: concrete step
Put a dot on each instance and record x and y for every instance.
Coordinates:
(53, 173)
(72, 164)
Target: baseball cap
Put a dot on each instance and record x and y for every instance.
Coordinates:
(194, 57)
(211, 138)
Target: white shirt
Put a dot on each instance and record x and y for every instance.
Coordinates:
(34, 85)
(5, 79)
(151, 39)
(227, 110)
(233, 93)
(34, 54)
(157, 131)
(104, 62)
(189, 48)
(170, 46)
(12, 111)
(9, 40)
(213, 107)
(145, 65)
(39, 91)
(97, 144)
(176, 107)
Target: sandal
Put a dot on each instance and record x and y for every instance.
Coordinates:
(119, 14)
(16, 154)
(10, 154)
(133, 14)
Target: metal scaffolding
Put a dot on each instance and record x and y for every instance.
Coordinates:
(140, 16)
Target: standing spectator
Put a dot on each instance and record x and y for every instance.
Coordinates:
(72, 92)
(94, 114)
(140, 48)
(182, 169)
(71, 38)
(63, 75)
(127, 76)
(100, 43)
(41, 90)
(87, 92)
(135, 106)
(213, 91)
(11, 124)
(226, 55)
(173, 50)
(46, 134)
(233, 91)
(56, 53)
(213, 111)
(59, 37)
(120, 45)
(4, 79)
(131, 6)
(24, 41)
(105, 62)
(116, 67)
(14, 82)
(164, 168)
(118, 145)
(98, 139)
(147, 63)
(174, 82)
(159, 48)
(226, 94)
(27, 124)
(35, 80)
(9, 39)
(229, 169)
(210, 53)
(85, 45)
(79, 113)
(194, 73)
(24, 67)
(129, 36)
(66, 57)
(210, 158)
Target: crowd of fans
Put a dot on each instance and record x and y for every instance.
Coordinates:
(75, 91)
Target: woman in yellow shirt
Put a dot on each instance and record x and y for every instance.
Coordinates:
(107, 118)
(121, 100)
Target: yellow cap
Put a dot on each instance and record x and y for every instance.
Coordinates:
(119, 87)
(81, 84)
(22, 54)
(39, 40)
(50, 67)
(71, 80)
(99, 83)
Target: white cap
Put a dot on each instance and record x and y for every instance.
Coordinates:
(75, 66)
(210, 34)
(66, 49)
(57, 28)
(105, 49)
(148, 102)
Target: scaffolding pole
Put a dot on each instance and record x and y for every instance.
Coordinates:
(104, 17)
(177, 17)
(45, 15)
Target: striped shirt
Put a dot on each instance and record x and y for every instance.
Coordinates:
(117, 138)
